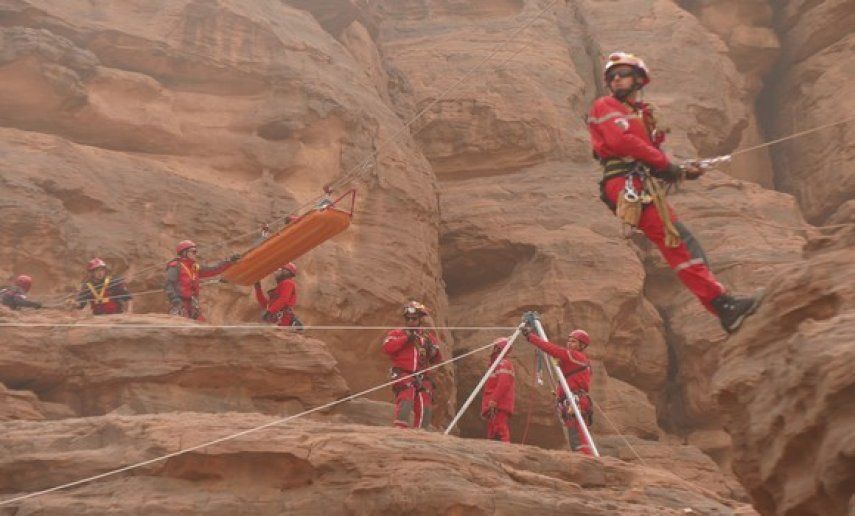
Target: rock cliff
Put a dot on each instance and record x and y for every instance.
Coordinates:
(125, 127)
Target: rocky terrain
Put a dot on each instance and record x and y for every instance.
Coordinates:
(125, 127)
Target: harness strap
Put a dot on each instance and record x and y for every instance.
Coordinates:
(577, 370)
(194, 274)
(672, 236)
(613, 167)
(99, 297)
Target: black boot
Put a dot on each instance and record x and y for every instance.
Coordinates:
(732, 311)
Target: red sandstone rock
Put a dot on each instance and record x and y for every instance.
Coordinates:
(785, 382)
(310, 468)
(129, 126)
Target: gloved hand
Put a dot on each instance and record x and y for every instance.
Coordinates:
(692, 171)
(530, 319)
(526, 330)
(432, 350)
(673, 173)
(269, 317)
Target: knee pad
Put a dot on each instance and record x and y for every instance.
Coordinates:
(695, 249)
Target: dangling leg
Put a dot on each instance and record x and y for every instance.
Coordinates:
(692, 271)
(692, 243)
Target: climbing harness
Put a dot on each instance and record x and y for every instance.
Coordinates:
(416, 380)
(99, 298)
(630, 203)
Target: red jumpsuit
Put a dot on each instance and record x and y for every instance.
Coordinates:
(411, 355)
(182, 285)
(619, 130)
(280, 305)
(579, 380)
(499, 389)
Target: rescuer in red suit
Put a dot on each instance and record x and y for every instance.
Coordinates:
(624, 136)
(104, 294)
(411, 351)
(497, 405)
(183, 275)
(576, 369)
(279, 302)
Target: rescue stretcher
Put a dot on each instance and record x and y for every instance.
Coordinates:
(299, 236)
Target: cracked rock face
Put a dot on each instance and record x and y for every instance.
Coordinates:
(785, 383)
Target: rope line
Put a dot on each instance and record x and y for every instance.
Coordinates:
(236, 435)
(72, 297)
(248, 327)
(790, 137)
(804, 227)
(618, 432)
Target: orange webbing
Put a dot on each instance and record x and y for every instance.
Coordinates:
(289, 244)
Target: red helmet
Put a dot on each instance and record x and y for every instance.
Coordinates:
(95, 263)
(290, 267)
(24, 281)
(414, 308)
(582, 336)
(183, 246)
(625, 58)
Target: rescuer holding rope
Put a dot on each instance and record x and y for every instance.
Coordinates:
(104, 294)
(412, 350)
(626, 141)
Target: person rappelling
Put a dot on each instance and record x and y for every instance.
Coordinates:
(183, 275)
(626, 141)
(412, 349)
(104, 294)
(497, 405)
(15, 296)
(576, 369)
(278, 304)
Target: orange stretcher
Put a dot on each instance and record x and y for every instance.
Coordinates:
(298, 237)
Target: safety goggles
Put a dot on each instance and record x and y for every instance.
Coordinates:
(621, 72)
